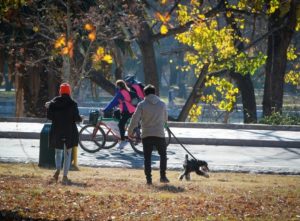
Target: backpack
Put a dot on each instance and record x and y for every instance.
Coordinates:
(135, 99)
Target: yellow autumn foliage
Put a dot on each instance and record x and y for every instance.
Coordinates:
(107, 58)
(194, 113)
(65, 48)
(101, 56)
(292, 77)
(89, 27)
(164, 29)
(227, 93)
(61, 41)
(92, 36)
(291, 55)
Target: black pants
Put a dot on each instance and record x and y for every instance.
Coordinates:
(122, 122)
(160, 144)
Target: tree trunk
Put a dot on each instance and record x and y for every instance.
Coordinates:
(53, 83)
(1, 65)
(100, 80)
(246, 88)
(43, 94)
(118, 59)
(194, 95)
(19, 96)
(29, 87)
(182, 88)
(243, 82)
(173, 74)
(145, 43)
(19, 87)
(4, 70)
(278, 43)
(35, 91)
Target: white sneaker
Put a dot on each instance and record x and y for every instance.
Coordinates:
(122, 144)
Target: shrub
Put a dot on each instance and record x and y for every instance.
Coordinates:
(279, 119)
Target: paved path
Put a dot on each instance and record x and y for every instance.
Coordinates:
(239, 148)
(219, 158)
(205, 136)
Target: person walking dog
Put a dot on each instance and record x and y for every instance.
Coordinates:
(64, 113)
(152, 113)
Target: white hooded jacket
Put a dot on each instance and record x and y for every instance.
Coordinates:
(152, 112)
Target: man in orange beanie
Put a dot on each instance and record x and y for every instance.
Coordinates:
(64, 113)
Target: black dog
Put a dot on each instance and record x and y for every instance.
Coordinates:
(198, 166)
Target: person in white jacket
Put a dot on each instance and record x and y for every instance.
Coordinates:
(152, 113)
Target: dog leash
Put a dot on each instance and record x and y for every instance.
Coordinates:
(181, 144)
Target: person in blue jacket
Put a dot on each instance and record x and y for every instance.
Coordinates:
(123, 100)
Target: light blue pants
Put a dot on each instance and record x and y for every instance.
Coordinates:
(67, 159)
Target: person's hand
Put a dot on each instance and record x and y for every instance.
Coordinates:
(47, 104)
(130, 136)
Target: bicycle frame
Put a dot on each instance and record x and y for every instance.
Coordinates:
(114, 131)
(93, 137)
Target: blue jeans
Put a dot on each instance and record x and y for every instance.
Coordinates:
(67, 159)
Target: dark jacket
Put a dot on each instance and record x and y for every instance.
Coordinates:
(63, 112)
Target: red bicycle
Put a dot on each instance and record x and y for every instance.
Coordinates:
(104, 134)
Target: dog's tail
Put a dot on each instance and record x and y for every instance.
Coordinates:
(186, 156)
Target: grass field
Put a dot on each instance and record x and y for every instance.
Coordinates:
(121, 194)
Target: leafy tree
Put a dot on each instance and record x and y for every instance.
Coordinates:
(228, 46)
(75, 40)
(221, 47)
(283, 21)
(54, 37)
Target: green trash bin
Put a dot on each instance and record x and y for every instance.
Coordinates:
(47, 154)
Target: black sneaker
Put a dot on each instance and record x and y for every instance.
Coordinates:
(66, 181)
(164, 180)
(149, 182)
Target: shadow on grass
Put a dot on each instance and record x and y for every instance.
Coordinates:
(78, 184)
(8, 215)
(169, 188)
(51, 181)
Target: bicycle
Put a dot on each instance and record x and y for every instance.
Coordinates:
(104, 134)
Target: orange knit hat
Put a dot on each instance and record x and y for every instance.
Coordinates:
(65, 89)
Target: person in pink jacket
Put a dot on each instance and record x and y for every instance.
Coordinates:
(122, 99)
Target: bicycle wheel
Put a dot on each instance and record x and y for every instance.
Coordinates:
(91, 138)
(110, 139)
(137, 145)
